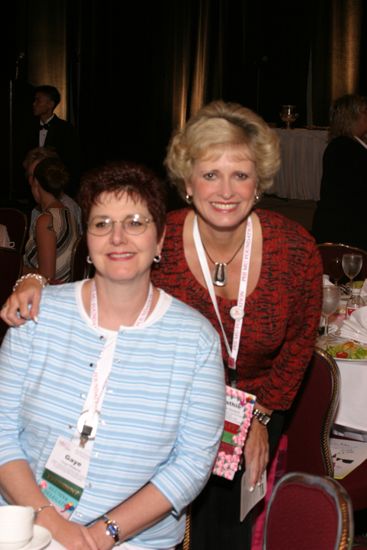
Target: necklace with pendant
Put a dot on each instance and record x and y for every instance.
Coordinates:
(219, 276)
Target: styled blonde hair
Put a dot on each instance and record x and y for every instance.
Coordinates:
(221, 125)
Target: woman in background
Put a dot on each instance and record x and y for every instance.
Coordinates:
(32, 158)
(340, 213)
(54, 230)
(264, 287)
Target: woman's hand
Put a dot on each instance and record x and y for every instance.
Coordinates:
(16, 309)
(68, 533)
(256, 451)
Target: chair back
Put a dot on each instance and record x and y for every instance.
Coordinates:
(308, 512)
(310, 418)
(330, 251)
(10, 269)
(16, 223)
(80, 268)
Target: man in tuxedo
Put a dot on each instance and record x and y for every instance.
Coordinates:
(51, 131)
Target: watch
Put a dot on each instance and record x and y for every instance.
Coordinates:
(262, 417)
(112, 528)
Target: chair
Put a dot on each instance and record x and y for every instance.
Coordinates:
(16, 223)
(80, 268)
(310, 419)
(11, 267)
(309, 425)
(330, 251)
(308, 512)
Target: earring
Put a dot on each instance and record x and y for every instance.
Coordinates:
(157, 258)
(89, 260)
(257, 196)
(188, 198)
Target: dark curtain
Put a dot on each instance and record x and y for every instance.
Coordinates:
(338, 53)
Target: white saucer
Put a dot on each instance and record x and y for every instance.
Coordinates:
(41, 538)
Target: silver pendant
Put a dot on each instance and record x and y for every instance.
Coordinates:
(220, 274)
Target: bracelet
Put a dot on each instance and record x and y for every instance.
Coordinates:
(39, 510)
(43, 281)
(112, 528)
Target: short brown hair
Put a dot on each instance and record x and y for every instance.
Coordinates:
(52, 176)
(121, 177)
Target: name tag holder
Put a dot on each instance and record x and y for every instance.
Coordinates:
(238, 414)
(65, 474)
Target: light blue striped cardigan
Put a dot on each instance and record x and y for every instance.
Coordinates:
(162, 414)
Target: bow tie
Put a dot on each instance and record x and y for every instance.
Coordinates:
(45, 126)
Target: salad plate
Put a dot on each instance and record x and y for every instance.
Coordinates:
(347, 350)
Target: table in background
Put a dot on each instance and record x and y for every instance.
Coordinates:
(301, 169)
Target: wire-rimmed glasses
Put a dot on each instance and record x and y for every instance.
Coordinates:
(133, 224)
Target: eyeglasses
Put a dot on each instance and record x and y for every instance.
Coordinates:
(134, 224)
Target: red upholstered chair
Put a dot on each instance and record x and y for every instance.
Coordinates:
(16, 223)
(330, 251)
(308, 512)
(310, 419)
(309, 424)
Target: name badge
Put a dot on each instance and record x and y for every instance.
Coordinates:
(238, 414)
(65, 474)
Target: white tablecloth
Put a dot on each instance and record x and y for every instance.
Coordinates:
(352, 410)
(301, 169)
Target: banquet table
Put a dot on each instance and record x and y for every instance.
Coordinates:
(352, 409)
(301, 169)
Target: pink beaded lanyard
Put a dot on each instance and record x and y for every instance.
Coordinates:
(238, 311)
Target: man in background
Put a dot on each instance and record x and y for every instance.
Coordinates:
(53, 132)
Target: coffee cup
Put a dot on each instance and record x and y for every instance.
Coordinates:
(16, 526)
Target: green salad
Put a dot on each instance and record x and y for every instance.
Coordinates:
(348, 350)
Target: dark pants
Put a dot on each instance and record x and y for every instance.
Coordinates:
(215, 523)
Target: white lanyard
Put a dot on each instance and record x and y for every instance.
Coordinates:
(238, 311)
(88, 420)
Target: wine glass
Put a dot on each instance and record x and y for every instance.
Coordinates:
(352, 265)
(330, 303)
(335, 269)
(288, 115)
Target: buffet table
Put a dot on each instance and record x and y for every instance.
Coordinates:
(301, 169)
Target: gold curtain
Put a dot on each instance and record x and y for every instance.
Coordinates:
(190, 64)
(345, 46)
(47, 59)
